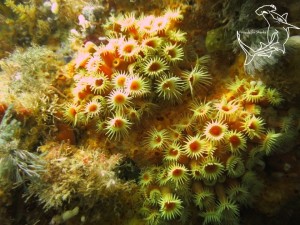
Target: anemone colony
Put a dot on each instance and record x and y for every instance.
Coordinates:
(137, 64)
(207, 160)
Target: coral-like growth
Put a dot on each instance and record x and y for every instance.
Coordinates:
(37, 20)
(16, 165)
(90, 174)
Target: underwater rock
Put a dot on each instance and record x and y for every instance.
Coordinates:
(127, 170)
(219, 39)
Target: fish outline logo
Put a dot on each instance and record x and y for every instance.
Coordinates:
(274, 43)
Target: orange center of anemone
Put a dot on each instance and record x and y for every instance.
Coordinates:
(99, 82)
(169, 206)
(235, 140)
(254, 92)
(177, 172)
(93, 108)
(172, 53)
(195, 146)
(173, 152)
(215, 130)
(120, 98)
(128, 48)
(211, 168)
(159, 24)
(151, 43)
(225, 108)
(121, 81)
(201, 110)
(118, 123)
(133, 115)
(252, 126)
(148, 27)
(146, 177)
(81, 94)
(197, 173)
(135, 85)
(176, 135)
(167, 85)
(155, 66)
(72, 111)
(158, 139)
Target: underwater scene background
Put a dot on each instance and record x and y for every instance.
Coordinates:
(131, 112)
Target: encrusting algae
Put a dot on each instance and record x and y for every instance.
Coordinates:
(132, 129)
